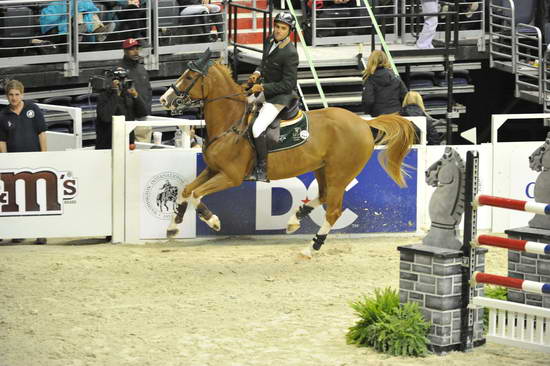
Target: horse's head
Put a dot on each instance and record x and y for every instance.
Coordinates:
(191, 85)
(540, 158)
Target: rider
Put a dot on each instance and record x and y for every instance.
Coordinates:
(278, 72)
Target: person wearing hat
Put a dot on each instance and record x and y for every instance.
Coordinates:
(132, 62)
(274, 83)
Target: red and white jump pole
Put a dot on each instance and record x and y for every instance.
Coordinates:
(524, 285)
(514, 244)
(527, 206)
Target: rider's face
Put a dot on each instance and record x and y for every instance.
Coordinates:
(280, 31)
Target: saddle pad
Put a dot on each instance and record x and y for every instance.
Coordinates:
(293, 133)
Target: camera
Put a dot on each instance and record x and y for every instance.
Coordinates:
(100, 83)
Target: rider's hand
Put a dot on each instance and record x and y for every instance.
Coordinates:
(253, 78)
(256, 89)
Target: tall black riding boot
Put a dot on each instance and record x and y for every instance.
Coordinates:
(261, 158)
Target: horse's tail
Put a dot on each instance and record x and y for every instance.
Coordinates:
(398, 135)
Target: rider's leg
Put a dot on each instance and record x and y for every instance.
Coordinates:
(265, 117)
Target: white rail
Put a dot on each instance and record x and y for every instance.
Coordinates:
(517, 325)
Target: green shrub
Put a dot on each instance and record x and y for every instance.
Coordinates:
(494, 292)
(399, 330)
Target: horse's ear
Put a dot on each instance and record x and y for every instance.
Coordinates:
(202, 64)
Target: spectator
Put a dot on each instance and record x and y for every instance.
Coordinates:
(132, 61)
(22, 127)
(132, 16)
(116, 101)
(427, 34)
(413, 105)
(383, 91)
(202, 12)
(54, 20)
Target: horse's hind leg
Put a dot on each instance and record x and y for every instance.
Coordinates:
(182, 200)
(335, 196)
(305, 209)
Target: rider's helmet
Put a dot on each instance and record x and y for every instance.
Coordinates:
(287, 19)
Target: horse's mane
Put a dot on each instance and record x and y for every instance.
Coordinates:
(225, 70)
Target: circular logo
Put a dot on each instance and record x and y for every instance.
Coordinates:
(304, 134)
(30, 113)
(160, 194)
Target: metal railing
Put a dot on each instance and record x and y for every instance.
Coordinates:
(528, 63)
(502, 30)
(546, 85)
(349, 23)
(82, 30)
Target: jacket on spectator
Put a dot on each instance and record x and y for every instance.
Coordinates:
(109, 104)
(55, 15)
(414, 110)
(383, 93)
(137, 72)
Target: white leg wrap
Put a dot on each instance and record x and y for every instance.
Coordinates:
(194, 201)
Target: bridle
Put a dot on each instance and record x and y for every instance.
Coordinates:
(184, 99)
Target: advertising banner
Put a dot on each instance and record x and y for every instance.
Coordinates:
(373, 203)
(53, 194)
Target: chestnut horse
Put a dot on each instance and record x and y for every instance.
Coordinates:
(340, 144)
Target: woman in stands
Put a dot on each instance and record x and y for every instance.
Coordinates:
(383, 91)
(413, 105)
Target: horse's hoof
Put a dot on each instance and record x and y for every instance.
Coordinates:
(213, 222)
(172, 233)
(306, 253)
(291, 228)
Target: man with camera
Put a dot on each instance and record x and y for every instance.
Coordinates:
(119, 97)
(136, 71)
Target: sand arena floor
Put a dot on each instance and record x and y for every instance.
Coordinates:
(229, 301)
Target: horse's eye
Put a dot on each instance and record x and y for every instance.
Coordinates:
(189, 78)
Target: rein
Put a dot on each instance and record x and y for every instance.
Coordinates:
(235, 126)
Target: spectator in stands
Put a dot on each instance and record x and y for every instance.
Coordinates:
(133, 62)
(427, 34)
(413, 105)
(132, 15)
(383, 91)
(201, 12)
(116, 101)
(54, 20)
(22, 127)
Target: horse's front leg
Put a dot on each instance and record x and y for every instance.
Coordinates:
(217, 183)
(182, 200)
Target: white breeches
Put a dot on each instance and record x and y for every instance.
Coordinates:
(266, 116)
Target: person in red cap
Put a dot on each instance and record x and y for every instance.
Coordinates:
(132, 61)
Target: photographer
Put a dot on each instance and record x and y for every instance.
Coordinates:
(119, 98)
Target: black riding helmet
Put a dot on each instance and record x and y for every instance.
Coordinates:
(287, 19)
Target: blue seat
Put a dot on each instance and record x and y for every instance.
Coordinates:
(421, 80)
(85, 101)
(460, 77)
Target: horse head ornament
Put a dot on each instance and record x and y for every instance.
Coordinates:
(183, 92)
(540, 159)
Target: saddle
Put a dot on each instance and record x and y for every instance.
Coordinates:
(286, 129)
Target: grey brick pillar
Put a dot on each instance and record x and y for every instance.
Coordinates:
(432, 277)
(528, 266)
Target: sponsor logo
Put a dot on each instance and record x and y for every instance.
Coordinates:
(300, 194)
(160, 194)
(30, 113)
(40, 191)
